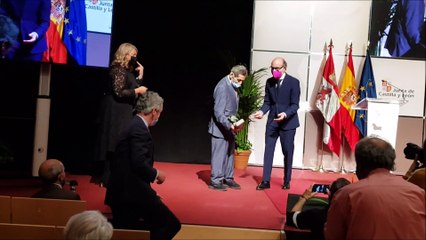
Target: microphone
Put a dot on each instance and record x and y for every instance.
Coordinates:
(397, 88)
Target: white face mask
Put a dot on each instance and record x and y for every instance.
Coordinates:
(154, 122)
(236, 85)
(234, 82)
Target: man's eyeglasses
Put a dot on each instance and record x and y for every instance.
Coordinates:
(276, 68)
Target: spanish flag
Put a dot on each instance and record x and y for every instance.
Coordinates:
(348, 96)
(67, 34)
(56, 51)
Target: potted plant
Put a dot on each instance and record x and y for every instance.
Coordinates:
(251, 96)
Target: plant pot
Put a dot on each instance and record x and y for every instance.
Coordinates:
(241, 159)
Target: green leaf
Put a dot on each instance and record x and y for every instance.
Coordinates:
(250, 100)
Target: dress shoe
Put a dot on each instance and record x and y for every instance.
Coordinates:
(219, 187)
(232, 184)
(286, 186)
(263, 185)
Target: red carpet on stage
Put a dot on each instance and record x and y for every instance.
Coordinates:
(186, 193)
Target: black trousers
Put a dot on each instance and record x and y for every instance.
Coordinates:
(152, 215)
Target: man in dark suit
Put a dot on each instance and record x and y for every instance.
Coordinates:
(222, 130)
(33, 19)
(129, 191)
(282, 96)
(52, 173)
(406, 36)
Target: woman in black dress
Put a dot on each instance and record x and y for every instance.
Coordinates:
(123, 89)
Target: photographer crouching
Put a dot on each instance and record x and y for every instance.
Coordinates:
(416, 174)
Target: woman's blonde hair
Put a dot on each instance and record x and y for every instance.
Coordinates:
(120, 55)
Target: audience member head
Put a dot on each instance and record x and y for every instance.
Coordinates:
(424, 153)
(52, 171)
(150, 105)
(414, 152)
(372, 153)
(336, 185)
(87, 225)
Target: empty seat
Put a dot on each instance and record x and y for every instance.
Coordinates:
(5, 209)
(44, 211)
(11, 231)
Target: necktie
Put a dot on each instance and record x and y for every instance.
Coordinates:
(278, 86)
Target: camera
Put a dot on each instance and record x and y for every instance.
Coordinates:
(73, 185)
(411, 150)
(320, 188)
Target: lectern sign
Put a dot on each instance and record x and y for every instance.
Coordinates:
(382, 117)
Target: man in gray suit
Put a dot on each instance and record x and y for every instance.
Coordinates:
(222, 130)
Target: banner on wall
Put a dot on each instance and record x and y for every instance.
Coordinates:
(404, 81)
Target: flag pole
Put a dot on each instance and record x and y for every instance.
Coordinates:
(320, 168)
(366, 90)
(342, 154)
(342, 166)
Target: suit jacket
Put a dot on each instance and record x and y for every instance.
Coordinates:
(132, 169)
(30, 16)
(53, 191)
(283, 99)
(225, 105)
(405, 31)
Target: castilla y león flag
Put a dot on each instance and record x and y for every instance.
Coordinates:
(327, 102)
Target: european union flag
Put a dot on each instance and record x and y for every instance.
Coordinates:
(367, 88)
(75, 30)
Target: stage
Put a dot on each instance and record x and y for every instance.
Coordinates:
(186, 193)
